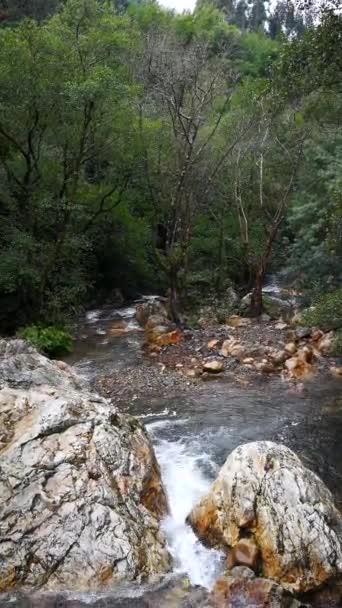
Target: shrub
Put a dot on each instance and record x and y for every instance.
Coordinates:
(337, 344)
(50, 340)
(326, 311)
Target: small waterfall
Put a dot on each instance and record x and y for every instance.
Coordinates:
(185, 484)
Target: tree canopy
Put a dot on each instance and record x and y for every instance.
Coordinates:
(145, 150)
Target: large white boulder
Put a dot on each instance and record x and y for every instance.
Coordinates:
(264, 492)
(80, 488)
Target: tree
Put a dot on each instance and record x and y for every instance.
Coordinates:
(188, 84)
(14, 10)
(257, 17)
(65, 155)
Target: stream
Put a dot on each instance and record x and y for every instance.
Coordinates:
(194, 433)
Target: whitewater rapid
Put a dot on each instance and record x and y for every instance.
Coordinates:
(182, 464)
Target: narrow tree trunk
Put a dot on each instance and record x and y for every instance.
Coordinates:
(174, 305)
(256, 302)
(221, 258)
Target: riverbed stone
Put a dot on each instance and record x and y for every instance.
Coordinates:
(264, 491)
(80, 490)
(213, 367)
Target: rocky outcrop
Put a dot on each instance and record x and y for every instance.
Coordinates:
(80, 488)
(238, 589)
(151, 307)
(263, 492)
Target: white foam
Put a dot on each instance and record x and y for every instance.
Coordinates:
(165, 412)
(126, 313)
(186, 484)
(93, 315)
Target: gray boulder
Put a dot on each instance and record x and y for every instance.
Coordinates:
(80, 489)
(275, 307)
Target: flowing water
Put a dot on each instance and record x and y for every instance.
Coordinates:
(194, 433)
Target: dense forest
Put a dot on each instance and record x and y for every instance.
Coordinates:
(143, 150)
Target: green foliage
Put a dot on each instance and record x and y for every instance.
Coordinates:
(143, 149)
(326, 311)
(337, 344)
(258, 54)
(52, 341)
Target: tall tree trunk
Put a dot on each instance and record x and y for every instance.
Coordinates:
(221, 259)
(256, 302)
(174, 300)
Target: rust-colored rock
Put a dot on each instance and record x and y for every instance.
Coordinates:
(213, 343)
(298, 367)
(325, 343)
(290, 348)
(244, 553)
(316, 335)
(171, 337)
(247, 592)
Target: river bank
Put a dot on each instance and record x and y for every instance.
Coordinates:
(194, 422)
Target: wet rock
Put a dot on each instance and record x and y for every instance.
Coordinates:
(117, 328)
(213, 367)
(264, 490)
(243, 592)
(244, 553)
(80, 488)
(175, 592)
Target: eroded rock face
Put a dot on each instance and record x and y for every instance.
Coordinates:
(80, 487)
(264, 492)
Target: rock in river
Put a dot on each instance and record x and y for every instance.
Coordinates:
(264, 492)
(80, 488)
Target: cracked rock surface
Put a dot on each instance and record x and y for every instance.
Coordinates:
(80, 488)
(264, 492)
